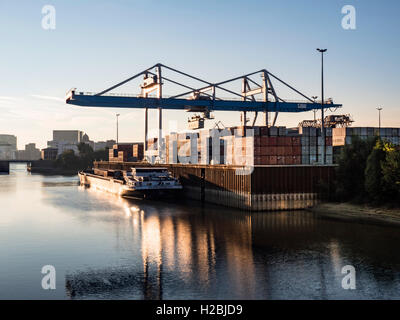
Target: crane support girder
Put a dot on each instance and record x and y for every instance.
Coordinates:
(109, 101)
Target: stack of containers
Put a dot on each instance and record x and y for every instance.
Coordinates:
(138, 151)
(343, 136)
(126, 152)
(187, 148)
(312, 145)
(265, 146)
(277, 150)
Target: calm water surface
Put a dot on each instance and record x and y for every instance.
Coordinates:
(105, 247)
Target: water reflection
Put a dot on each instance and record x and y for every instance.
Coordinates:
(108, 247)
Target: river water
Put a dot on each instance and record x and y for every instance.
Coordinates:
(106, 247)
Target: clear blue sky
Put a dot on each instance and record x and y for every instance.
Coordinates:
(98, 43)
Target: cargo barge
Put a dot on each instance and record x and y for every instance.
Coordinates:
(141, 182)
(265, 188)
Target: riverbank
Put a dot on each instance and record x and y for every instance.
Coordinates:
(358, 213)
(53, 171)
(48, 167)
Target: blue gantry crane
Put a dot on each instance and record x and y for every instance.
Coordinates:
(253, 96)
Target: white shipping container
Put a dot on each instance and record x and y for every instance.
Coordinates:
(273, 131)
(282, 131)
(349, 131)
(313, 159)
(364, 131)
(329, 159)
(305, 150)
(313, 141)
(305, 159)
(305, 131)
(305, 141)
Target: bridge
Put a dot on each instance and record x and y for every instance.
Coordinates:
(5, 164)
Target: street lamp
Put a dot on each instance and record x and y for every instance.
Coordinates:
(117, 115)
(315, 110)
(322, 104)
(379, 111)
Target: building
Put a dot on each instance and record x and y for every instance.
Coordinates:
(70, 139)
(8, 146)
(30, 153)
(67, 140)
(49, 154)
(71, 136)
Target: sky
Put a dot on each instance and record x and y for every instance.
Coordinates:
(96, 44)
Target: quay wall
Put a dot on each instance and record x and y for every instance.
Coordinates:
(265, 188)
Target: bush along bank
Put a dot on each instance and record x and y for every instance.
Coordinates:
(368, 172)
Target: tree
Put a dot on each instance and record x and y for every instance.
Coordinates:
(391, 174)
(373, 172)
(350, 174)
(68, 160)
(84, 149)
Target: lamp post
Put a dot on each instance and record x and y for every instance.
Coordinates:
(322, 103)
(117, 115)
(379, 111)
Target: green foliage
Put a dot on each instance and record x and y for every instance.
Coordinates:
(369, 172)
(373, 172)
(68, 159)
(391, 174)
(350, 174)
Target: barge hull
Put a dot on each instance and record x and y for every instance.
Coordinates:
(266, 188)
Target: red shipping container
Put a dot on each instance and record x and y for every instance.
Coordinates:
(257, 160)
(296, 150)
(264, 131)
(257, 141)
(280, 160)
(280, 151)
(263, 141)
(264, 160)
(273, 160)
(257, 151)
(272, 141)
(288, 151)
(263, 151)
(328, 141)
(296, 141)
(296, 159)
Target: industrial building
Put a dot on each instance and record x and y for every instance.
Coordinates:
(8, 146)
